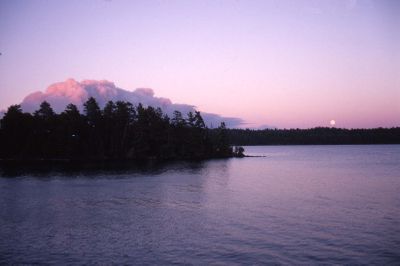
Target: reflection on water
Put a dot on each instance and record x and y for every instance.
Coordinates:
(92, 170)
(299, 204)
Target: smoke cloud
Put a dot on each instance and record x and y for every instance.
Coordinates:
(59, 95)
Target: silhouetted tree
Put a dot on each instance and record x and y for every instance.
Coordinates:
(72, 127)
(15, 129)
(177, 119)
(314, 136)
(222, 146)
(122, 131)
(95, 144)
(92, 112)
(45, 135)
(119, 131)
(45, 111)
(239, 151)
(198, 120)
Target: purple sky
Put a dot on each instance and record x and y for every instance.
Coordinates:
(287, 64)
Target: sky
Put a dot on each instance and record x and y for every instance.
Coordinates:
(285, 64)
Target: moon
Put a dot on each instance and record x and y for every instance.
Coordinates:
(332, 122)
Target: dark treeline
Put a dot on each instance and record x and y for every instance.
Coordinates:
(119, 131)
(319, 135)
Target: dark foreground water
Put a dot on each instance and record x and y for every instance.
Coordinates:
(298, 205)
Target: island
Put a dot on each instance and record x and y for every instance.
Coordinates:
(119, 131)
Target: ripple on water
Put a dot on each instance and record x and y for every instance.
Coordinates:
(298, 205)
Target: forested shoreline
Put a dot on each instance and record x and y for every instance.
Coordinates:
(314, 136)
(119, 131)
(122, 131)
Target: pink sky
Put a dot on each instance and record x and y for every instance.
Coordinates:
(285, 64)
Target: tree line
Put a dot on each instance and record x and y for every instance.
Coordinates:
(118, 131)
(314, 136)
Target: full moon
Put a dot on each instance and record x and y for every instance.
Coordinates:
(332, 122)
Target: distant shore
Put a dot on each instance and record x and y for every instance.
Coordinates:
(314, 136)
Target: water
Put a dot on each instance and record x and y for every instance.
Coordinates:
(297, 205)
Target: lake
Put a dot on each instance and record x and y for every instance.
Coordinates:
(297, 205)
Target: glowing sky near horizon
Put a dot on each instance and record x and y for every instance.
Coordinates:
(285, 64)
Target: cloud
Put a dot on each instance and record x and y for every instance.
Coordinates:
(60, 94)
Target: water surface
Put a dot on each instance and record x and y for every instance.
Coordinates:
(297, 205)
